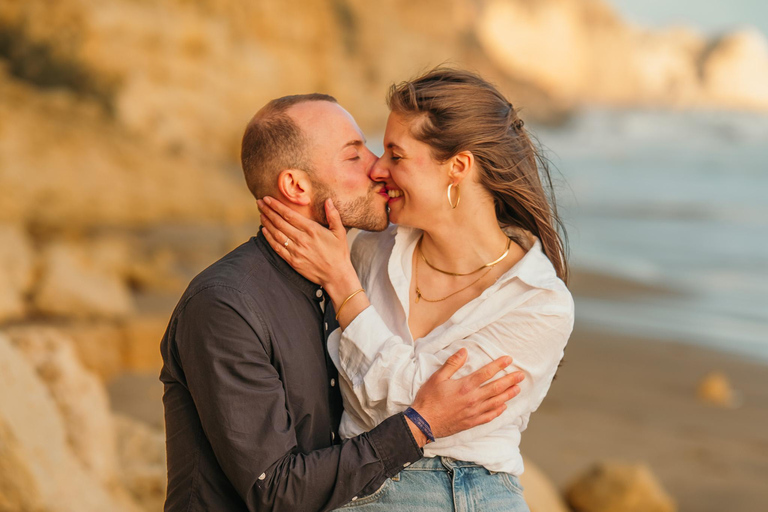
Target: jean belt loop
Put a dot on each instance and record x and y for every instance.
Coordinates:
(448, 463)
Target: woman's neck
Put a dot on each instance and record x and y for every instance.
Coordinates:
(464, 242)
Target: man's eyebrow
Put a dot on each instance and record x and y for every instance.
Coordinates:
(356, 142)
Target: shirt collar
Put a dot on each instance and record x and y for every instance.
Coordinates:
(305, 285)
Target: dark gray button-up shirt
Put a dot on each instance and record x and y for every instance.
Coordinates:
(252, 403)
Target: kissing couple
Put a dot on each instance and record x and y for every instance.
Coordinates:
(305, 373)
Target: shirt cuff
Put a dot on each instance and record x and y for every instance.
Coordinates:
(394, 444)
(362, 340)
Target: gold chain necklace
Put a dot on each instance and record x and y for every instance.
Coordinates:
(456, 274)
(419, 295)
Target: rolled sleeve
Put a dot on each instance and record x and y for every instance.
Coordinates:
(361, 341)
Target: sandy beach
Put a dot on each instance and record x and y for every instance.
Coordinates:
(634, 399)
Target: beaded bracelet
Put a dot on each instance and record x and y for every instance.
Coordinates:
(420, 422)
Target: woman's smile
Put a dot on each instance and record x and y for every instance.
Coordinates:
(394, 195)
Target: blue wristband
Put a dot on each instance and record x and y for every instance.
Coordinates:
(420, 422)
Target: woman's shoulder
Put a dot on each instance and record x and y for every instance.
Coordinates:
(544, 293)
(370, 248)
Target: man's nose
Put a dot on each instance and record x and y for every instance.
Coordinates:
(379, 171)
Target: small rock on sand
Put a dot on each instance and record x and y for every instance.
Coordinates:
(618, 487)
(540, 493)
(715, 388)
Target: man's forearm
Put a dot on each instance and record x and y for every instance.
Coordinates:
(328, 478)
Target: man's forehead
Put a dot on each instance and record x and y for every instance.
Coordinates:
(327, 123)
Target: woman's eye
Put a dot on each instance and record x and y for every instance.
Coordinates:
(395, 158)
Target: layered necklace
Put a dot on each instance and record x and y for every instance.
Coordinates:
(488, 267)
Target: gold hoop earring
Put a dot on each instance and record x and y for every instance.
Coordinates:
(458, 196)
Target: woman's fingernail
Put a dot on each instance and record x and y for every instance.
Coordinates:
(267, 200)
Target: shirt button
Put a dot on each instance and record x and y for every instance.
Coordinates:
(333, 436)
(262, 476)
(333, 382)
(354, 498)
(319, 293)
(326, 326)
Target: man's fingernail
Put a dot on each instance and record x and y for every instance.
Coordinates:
(267, 200)
(507, 361)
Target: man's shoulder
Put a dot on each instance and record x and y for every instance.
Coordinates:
(234, 273)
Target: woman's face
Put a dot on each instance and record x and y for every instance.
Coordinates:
(415, 182)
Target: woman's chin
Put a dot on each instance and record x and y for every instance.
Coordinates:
(395, 215)
(399, 214)
(399, 219)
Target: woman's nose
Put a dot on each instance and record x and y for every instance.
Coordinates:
(379, 171)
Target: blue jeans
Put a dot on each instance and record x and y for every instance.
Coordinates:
(443, 484)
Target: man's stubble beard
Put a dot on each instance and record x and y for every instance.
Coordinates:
(361, 213)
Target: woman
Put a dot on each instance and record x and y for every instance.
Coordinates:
(474, 262)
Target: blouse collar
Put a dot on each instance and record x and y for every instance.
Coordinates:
(534, 268)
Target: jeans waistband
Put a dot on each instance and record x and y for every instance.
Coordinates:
(441, 464)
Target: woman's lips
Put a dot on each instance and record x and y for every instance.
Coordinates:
(390, 194)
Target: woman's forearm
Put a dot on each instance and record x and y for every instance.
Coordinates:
(341, 288)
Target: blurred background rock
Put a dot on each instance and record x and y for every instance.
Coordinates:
(120, 124)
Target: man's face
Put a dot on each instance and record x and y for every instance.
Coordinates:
(341, 166)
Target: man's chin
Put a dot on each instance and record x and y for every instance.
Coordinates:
(366, 213)
(380, 227)
(379, 223)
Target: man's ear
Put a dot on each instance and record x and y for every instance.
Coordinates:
(460, 166)
(295, 186)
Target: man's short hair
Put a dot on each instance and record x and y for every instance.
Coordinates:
(273, 142)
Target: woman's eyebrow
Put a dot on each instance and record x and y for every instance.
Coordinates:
(392, 145)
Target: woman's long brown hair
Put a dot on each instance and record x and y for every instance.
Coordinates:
(460, 111)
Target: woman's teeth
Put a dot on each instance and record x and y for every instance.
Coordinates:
(394, 193)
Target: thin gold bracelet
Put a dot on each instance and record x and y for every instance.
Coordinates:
(347, 300)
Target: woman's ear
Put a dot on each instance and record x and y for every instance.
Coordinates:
(295, 186)
(460, 166)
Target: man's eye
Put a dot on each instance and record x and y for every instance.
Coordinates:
(395, 158)
(356, 157)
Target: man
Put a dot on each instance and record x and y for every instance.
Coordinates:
(251, 397)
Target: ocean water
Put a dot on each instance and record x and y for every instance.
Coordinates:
(712, 17)
(672, 199)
